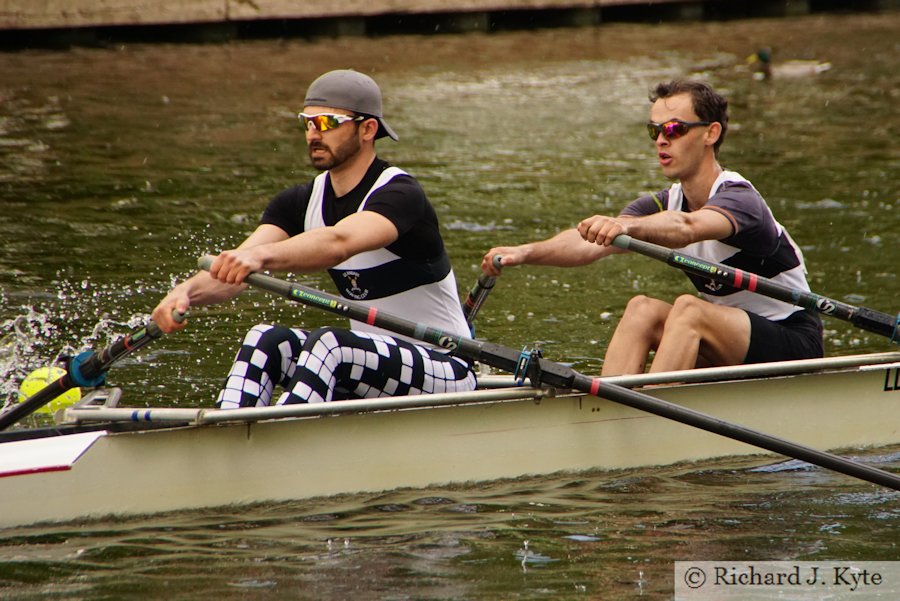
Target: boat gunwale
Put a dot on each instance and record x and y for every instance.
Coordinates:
(726, 373)
(495, 389)
(211, 416)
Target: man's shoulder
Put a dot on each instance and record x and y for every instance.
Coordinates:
(737, 187)
(647, 204)
(407, 183)
(290, 201)
(379, 166)
(401, 183)
(740, 192)
(297, 192)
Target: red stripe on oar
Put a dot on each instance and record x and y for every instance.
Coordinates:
(738, 278)
(751, 286)
(595, 386)
(370, 318)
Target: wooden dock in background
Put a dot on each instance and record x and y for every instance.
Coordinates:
(225, 19)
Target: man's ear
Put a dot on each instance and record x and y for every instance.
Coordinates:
(369, 128)
(713, 133)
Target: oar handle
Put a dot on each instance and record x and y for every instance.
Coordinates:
(861, 317)
(561, 376)
(479, 292)
(87, 369)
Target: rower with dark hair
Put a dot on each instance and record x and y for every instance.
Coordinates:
(711, 213)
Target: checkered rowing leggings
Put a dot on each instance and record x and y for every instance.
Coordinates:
(335, 364)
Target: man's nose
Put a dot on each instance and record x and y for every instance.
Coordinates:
(312, 133)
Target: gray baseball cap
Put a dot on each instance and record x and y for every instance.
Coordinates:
(351, 91)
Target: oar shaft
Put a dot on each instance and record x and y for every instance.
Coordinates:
(703, 421)
(479, 292)
(97, 364)
(350, 309)
(561, 376)
(477, 296)
(861, 317)
(35, 401)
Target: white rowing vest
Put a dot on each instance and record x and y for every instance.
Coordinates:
(719, 252)
(382, 279)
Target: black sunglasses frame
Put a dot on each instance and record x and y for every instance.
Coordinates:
(655, 129)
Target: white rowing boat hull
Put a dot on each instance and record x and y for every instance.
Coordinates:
(381, 446)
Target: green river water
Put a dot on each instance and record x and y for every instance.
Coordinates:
(119, 166)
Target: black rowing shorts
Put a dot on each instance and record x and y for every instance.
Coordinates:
(797, 337)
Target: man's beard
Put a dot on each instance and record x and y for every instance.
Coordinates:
(335, 157)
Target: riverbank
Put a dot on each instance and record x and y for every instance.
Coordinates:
(64, 23)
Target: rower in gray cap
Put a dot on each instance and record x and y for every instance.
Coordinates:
(368, 224)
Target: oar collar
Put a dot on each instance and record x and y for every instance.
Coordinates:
(78, 377)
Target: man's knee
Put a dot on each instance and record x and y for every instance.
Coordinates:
(266, 337)
(256, 333)
(643, 309)
(272, 341)
(330, 338)
(639, 305)
(689, 309)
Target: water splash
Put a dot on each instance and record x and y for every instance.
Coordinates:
(23, 348)
(48, 329)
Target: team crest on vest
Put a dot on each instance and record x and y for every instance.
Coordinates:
(352, 287)
(714, 286)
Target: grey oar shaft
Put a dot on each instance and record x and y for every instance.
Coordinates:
(479, 292)
(866, 319)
